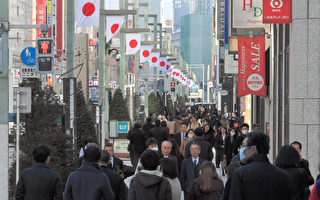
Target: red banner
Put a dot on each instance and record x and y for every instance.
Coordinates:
(41, 15)
(276, 11)
(251, 73)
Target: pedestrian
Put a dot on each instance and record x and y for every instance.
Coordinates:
(194, 123)
(115, 163)
(189, 137)
(258, 179)
(39, 181)
(315, 193)
(220, 154)
(305, 165)
(167, 167)
(208, 185)
(166, 148)
(165, 127)
(180, 136)
(206, 150)
(81, 153)
(288, 159)
(175, 151)
(137, 143)
(243, 133)
(118, 186)
(158, 133)
(88, 182)
(208, 134)
(190, 168)
(171, 124)
(229, 145)
(149, 183)
(147, 127)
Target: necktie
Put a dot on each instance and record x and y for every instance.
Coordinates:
(195, 162)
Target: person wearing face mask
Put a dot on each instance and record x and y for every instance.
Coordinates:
(258, 178)
(229, 145)
(244, 130)
(189, 137)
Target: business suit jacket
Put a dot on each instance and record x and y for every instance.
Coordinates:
(188, 173)
(177, 138)
(117, 164)
(206, 150)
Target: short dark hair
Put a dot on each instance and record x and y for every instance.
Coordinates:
(151, 141)
(157, 123)
(297, 143)
(105, 157)
(150, 159)
(183, 123)
(137, 125)
(195, 143)
(108, 144)
(198, 132)
(169, 168)
(148, 119)
(288, 157)
(40, 153)
(244, 125)
(92, 154)
(260, 140)
(163, 124)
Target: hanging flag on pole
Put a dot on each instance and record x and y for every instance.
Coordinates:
(114, 24)
(88, 12)
(133, 41)
(145, 52)
(168, 66)
(162, 64)
(154, 59)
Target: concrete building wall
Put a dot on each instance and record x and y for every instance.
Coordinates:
(304, 96)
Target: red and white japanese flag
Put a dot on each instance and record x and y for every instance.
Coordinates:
(162, 64)
(114, 24)
(154, 59)
(88, 12)
(168, 67)
(145, 52)
(133, 41)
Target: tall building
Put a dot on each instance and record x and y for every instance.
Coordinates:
(203, 7)
(181, 8)
(154, 7)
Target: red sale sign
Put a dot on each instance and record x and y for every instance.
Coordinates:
(41, 15)
(251, 74)
(276, 11)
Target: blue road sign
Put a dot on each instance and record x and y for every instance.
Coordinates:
(28, 56)
(123, 127)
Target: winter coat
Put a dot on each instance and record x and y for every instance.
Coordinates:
(298, 178)
(215, 193)
(208, 137)
(188, 173)
(260, 180)
(147, 127)
(137, 141)
(88, 183)
(159, 134)
(39, 182)
(229, 147)
(175, 188)
(315, 193)
(172, 126)
(149, 186)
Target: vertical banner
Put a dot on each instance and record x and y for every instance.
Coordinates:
(220, 19)
(41, 15)
(251, 73)
(276, 11)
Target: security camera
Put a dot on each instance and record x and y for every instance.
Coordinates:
(118, 57)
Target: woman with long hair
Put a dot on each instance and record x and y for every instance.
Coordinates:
(169, 169)
(208, 185)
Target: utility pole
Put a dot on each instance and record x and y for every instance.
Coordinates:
(146, 71)
(122, 52)
(103, 78)
(4, 97)
(137, 55)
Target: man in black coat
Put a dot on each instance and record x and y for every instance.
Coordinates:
(305, 165)
(206, 150)
(147, 127)
(39, 181)
(87, 182)
(118, 186)
(190, 168)
(259, 179)
(115, 163)
(149, 183)
(166, 148)
(159, 133)
(137, 143)
(178, 137)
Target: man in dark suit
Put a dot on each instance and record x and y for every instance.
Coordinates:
(115, 163)
(147, 127)
(190, 168)
(118, 186)
(159, 133)
(206, 150)
(166, 148)
(39, 181)
(178, 137)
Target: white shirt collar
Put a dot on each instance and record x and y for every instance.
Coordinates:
(197, 160)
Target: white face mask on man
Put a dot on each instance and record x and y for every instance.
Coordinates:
(245, 132)
(155, 148)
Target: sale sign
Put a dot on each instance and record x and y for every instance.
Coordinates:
(276, 11)
(251, 71)
(41, 15)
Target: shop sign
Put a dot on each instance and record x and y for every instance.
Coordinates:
(277, 11)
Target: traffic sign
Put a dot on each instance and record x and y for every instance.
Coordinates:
(123, 127)
(28, 72)
(224, 92)
(28, 56)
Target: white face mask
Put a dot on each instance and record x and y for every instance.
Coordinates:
(245, 132)
(190, 135)
(155, 149)
(233, 133)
